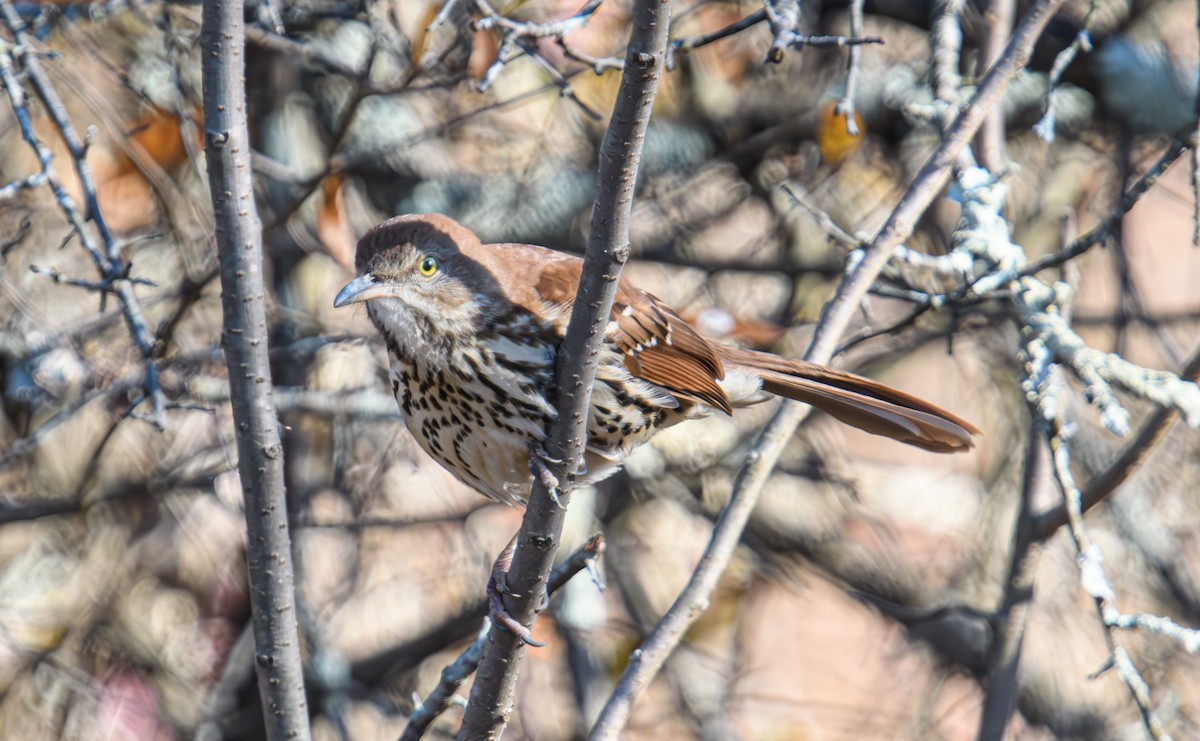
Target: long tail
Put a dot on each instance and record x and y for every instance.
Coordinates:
(857, 401)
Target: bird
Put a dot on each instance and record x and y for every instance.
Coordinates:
(472, 333)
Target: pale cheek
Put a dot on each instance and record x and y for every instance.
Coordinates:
(453, 303)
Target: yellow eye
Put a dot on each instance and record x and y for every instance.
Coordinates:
(428, 266)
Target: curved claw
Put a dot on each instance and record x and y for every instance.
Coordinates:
(496, 588)
(537, 464)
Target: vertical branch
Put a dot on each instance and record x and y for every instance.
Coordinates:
(1005, 654)
(989, 143)
(946, 42)
(845, 106)
(244, 339)
(691, 602)
(608, 249)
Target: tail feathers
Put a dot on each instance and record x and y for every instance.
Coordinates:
(859, 402)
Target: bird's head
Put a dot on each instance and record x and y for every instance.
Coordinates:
(420, 281)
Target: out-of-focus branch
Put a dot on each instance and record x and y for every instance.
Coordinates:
(1103, 230)
(649, 658)
(845, 106)
(1044, 128)
(989, 143)
(114, 272)
(578, 356)
(946, 48)
(1004, 656)
(244, 338)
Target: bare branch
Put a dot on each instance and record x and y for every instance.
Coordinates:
(989, 143)
(608, 249)
(243, 298)
(1106, 482)
(783, 16)
(649, 658)
(114, 278)
(464, 666)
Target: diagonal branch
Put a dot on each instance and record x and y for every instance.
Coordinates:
(608, 249)
(649, 658)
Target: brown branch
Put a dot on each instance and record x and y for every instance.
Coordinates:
(989, 143)
(649, 658)
(1004, 655)
(244, 338)
(1104, 229)
(1106, 482)
(608, 249)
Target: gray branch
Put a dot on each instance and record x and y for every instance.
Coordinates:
(244, 338)
(690, 604)
(608, 249)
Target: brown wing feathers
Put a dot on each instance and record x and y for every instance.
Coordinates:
(658, 346)
(661, 348)
(859, 402)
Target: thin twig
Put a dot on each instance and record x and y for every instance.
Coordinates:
(107, 255)
(688, 43)
(845, 106)
(1103, 230)
(783, 16)
(1044, 128)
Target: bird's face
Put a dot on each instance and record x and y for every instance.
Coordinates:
(421, 291)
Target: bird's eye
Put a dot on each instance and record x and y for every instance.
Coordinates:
(428, 266)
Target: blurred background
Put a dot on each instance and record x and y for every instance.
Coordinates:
(858, 604)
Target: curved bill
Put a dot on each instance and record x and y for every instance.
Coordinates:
(362, 288)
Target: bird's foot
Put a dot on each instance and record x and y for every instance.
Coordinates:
(497, 587)
(538, 461)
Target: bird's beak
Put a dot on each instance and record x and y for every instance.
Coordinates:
(362, 288)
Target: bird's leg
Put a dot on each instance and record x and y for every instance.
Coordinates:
(497, 587)
(537, 465)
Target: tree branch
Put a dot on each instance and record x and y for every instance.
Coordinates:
(649, 658)
(244, 338)
(462, 667)
(608, 249)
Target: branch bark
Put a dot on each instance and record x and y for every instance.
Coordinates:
(244, 338)
(491, 699)
(1004, 656)
(649, 658)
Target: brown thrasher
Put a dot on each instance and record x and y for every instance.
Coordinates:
(472, 332)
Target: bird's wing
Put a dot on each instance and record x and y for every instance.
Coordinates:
(657, 345)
